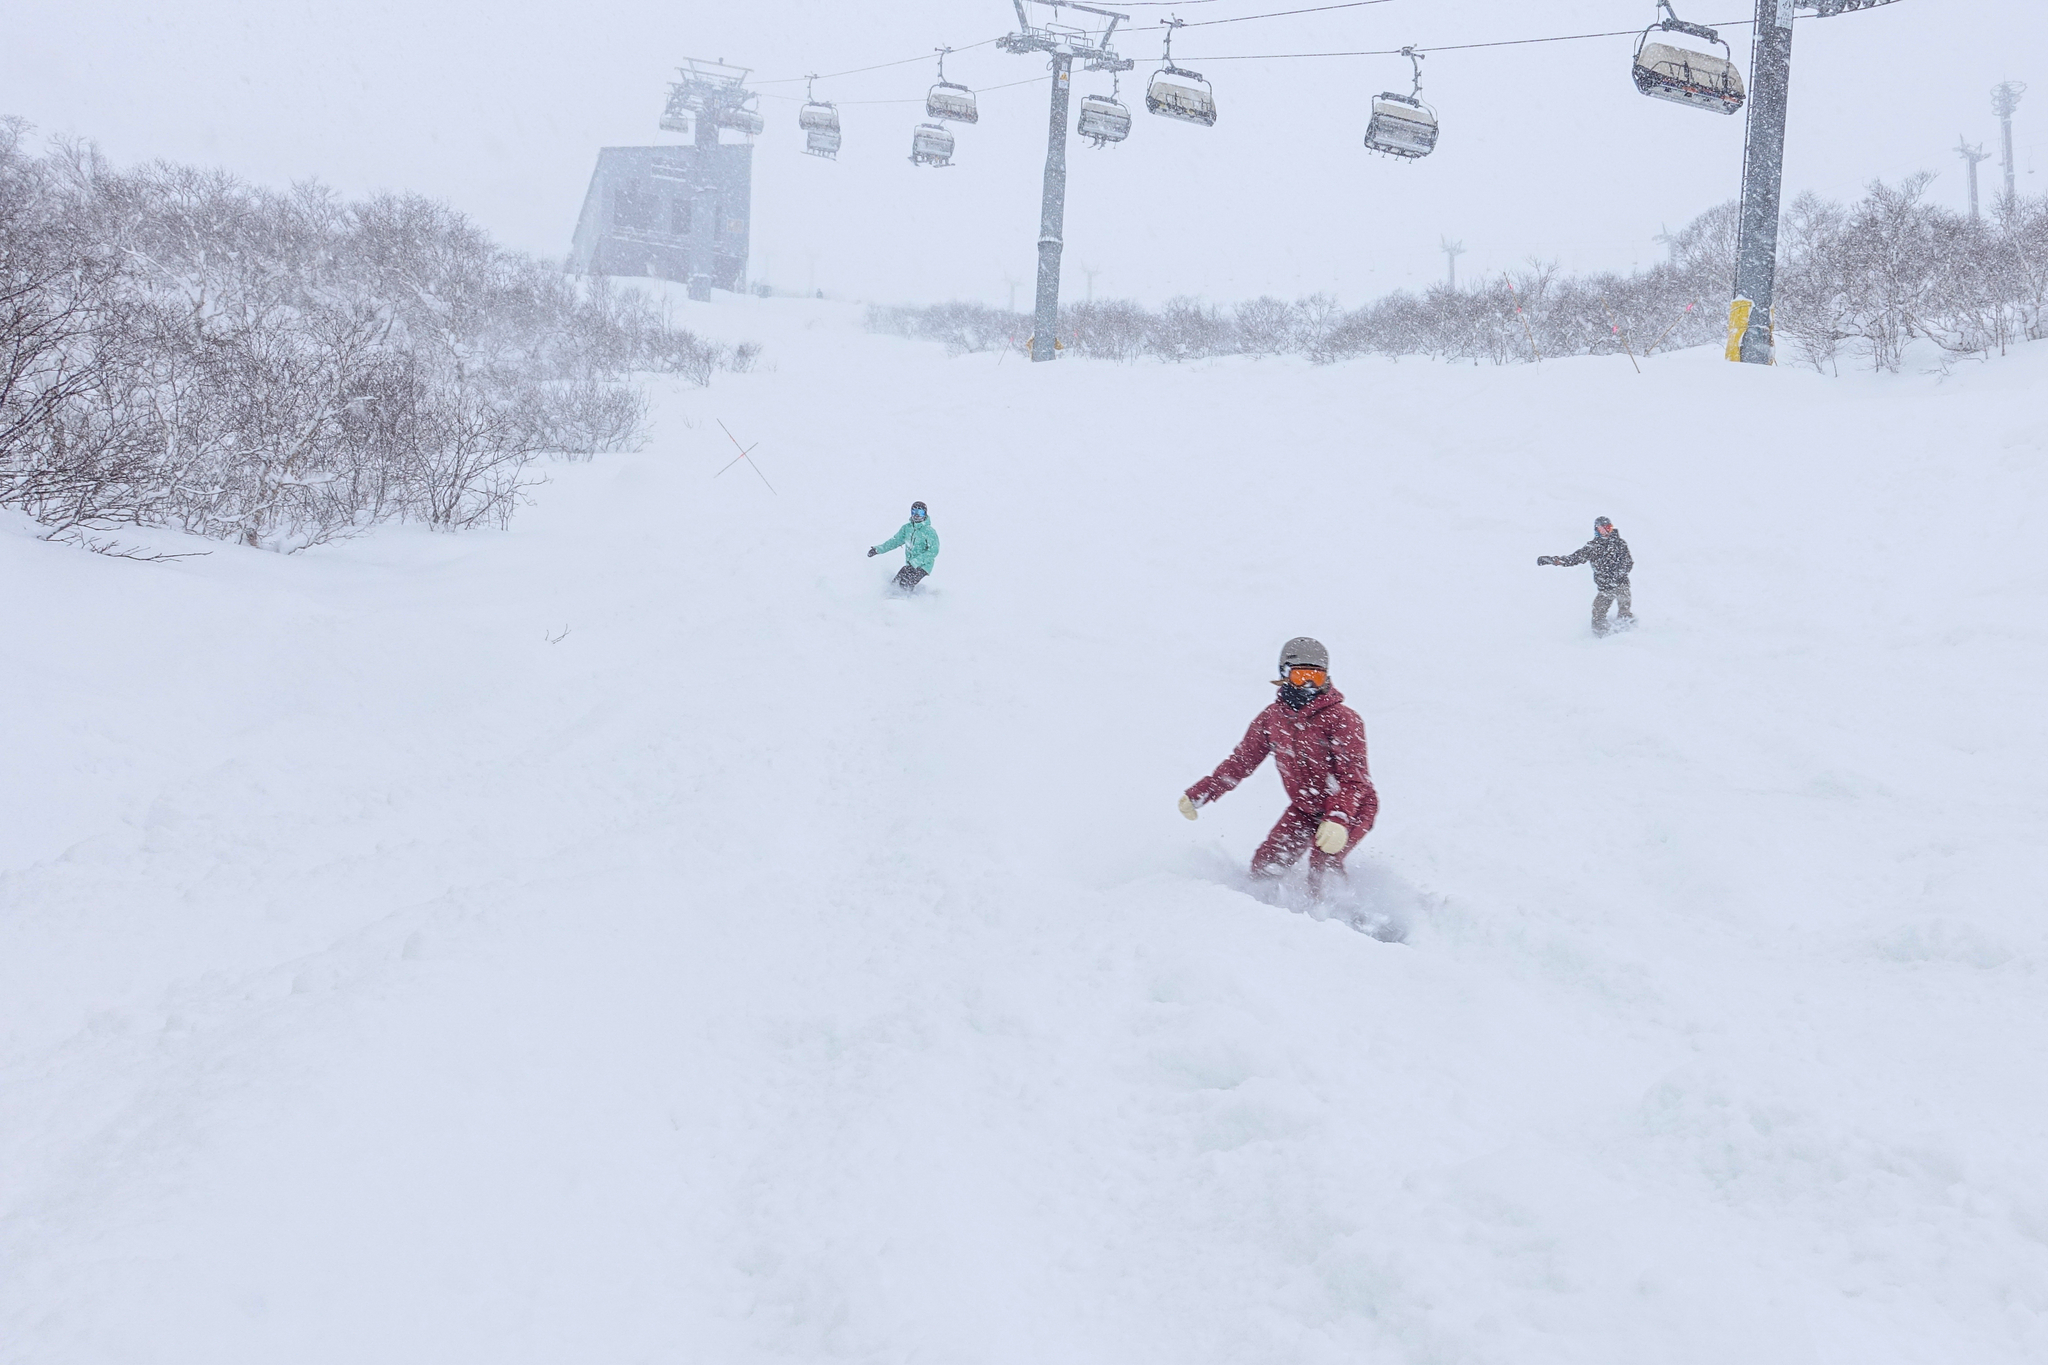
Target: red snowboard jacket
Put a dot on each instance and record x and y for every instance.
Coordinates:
(1320, 751)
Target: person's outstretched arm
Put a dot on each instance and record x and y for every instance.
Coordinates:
(1578, 556)
(1244, 760)
(893, 541)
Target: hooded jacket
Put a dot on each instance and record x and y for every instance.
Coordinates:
(920, 542)
(1320, 752)
(1609, 557)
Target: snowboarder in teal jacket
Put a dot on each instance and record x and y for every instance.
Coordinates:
(920, 547)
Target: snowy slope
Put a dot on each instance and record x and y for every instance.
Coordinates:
(773, 970)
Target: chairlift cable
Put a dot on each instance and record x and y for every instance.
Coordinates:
(878, 66)
(1274, 14)
(1446, 47)
(1197, 23)
(1244, 56)
(847, 104)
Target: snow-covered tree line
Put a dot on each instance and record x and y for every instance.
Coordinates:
(1856, 282)
(180, 349)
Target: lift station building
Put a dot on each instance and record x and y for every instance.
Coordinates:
(678, 212)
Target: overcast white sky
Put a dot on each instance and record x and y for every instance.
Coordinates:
(1546, 150)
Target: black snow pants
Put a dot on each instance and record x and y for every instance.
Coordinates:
(1614, 594)
(910, 576)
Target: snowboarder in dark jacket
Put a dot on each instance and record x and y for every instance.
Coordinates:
(1318, 743)
(1608, 553)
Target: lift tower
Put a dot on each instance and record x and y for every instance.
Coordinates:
(1065, 45)
(2005, 98)
(1763, 170)
(1973, 155)
(678, 212)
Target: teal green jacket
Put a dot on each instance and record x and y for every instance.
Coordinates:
(920, 544)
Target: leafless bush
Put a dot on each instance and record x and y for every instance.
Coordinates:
(1266, 326)
(962, 328)
(582, 418)
(1874, 276)
(1188, 329)
(1868, 278)
(282, 368)
(1113, 330)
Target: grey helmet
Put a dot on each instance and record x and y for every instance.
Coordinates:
(1303, 652)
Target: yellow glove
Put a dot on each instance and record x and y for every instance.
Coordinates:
(1332, 835)
(1187, 808)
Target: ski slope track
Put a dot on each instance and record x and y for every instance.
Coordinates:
(772, 969)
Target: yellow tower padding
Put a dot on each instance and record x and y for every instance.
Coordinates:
(1738, 323)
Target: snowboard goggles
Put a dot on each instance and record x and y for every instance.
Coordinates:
(1308, 677)
(918, 514)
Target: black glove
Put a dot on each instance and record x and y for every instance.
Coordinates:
(1540, 559)
(871, 552)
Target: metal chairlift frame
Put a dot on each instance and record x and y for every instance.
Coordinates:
(821, 130)
(920, 157)
(1117, 117)
(1413, 100)
(934, 110)
(714, 92)
(1723, 96)
(1064, 49)
(1166, 108)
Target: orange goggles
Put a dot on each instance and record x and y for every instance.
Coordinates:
(1308, 677)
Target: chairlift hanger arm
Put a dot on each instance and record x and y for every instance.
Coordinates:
(1696, 30)
(1096, 53)
(1109, 14)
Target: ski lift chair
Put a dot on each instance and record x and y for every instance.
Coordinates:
(820, 121)
(746, 121)
(1182, 95)
(949, 100)
(1105, 118)
(931, 145)
(1665, 71)
(1403, 125)
(1178, 93)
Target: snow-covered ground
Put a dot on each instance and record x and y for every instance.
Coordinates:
(770, 969)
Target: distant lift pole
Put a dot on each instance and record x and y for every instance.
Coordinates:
(2005, 98)
(1064, 45)
(1763, 172)
(1973, 155)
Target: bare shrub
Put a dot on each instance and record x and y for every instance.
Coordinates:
(1864, 279)
(1115, 329)
(962, 328)
(279, 368)
(1265, 326)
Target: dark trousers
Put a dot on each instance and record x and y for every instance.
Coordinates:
(1293, 836)
(1614, 595)
(909, 576)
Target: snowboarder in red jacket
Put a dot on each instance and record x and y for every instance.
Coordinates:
(1318, 743)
